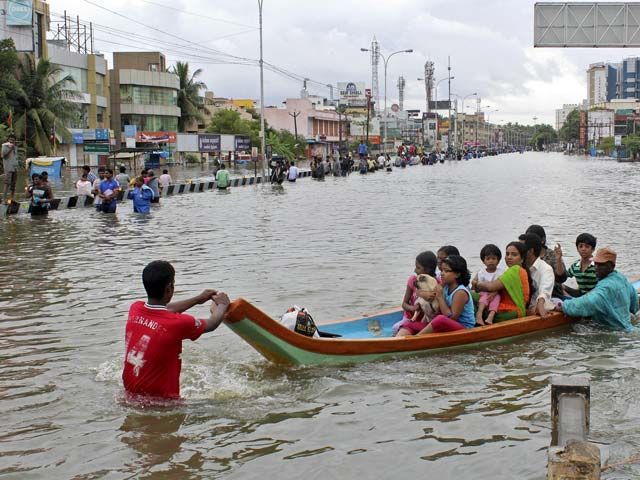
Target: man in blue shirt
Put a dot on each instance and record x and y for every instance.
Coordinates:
(362, 150)
(109, 189)
(611, 302)
(142, 195)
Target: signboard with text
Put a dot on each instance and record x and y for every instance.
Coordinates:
(96, 147)
(242, 142)
(19, 13)
(351, 91)
(208, 142)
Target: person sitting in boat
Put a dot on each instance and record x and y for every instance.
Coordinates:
(489, 301)
(444, 252)
(542, 277)
(582, 270)
(613, 299)
(425, 265)
(454, 298)
(550, 256)
(514, 285)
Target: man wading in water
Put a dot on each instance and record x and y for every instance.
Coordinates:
(155, 330)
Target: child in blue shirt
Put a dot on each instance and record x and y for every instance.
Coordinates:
(141, 196)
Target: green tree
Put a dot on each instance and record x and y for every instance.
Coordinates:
(44, 105)
(570, 131)
(229, 121)
(189, 94)
(9, 85)
(285, 143)
(544, 135)
(632, 144)
(607, 145)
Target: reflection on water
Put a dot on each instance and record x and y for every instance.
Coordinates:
(339, 247)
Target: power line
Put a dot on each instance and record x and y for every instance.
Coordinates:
(199, 15)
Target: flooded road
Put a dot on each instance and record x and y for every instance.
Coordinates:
(340, 247)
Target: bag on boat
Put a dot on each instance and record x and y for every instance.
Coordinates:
(300, 321)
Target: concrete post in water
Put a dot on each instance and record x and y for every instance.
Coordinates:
(570, 405)
(571, 456)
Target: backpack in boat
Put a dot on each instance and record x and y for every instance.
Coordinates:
(300, 321)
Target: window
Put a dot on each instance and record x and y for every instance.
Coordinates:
(142, 95)
(78, 75)
(150, 123)
(154, 67)
(100, 85)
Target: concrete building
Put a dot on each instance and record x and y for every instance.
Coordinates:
(143, 93)
(210, 105)
(321, 126)
(562, 113)
(26, 25)
(602, 83)
(91, 84)
(473, 129)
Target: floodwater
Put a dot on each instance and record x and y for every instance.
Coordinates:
(340, 247)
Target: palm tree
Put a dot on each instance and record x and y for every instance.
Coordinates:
(43, 106)
(189, 94)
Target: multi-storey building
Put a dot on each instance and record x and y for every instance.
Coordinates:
(143, 94)
(27, 24)
(602, 82)
(562, 113)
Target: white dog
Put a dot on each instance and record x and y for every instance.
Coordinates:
(429, 309)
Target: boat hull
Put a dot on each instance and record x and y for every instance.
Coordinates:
(368, 338)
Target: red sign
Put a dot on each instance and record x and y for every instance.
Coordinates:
(374, 139)
(582, 131)
(156, 137)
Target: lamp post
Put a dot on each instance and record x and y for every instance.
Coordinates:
(386, 61)
(455, 122)
(489, 127)
(465, 115)
(265, 167)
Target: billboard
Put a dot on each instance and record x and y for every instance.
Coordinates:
(440, 105)
(19, 13)
(156, 137)
(208, 142)
(242, 142)
(350, 91)
(586, 24)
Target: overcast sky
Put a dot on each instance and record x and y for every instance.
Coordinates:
(489, 41)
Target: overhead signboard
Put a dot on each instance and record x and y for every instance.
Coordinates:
(102, 134)
(19, 13)
(350, 91)
(208, 142)
(156, 137)
(130, 131)
(440, 105)
(586, 24)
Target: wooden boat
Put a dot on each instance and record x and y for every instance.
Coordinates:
(366, 338)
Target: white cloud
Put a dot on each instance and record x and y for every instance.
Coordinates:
(490, 44)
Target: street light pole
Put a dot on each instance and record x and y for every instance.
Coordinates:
(464, 118)
(489, 127)
(386, 61)
(263, 148)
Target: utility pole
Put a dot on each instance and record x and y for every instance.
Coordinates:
(295, 127)
(368, 116)
(449, 130)
(263, 146)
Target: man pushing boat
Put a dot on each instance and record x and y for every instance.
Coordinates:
(613, 299)
(155, 330)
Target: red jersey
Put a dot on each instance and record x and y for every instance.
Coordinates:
(153, 345)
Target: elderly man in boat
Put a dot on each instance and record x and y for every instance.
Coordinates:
(611, 302)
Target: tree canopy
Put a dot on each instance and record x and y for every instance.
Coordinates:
(189, 94)
(570, 131)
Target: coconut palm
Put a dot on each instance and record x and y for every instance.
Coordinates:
(189, 94)
(43, 106)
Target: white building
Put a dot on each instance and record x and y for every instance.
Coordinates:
(562, 113)
(600, 125)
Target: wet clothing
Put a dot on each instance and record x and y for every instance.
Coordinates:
(610, 303)
(141, 199)
(9, 157)
(153, 346)
(40, 196)
(222, 178)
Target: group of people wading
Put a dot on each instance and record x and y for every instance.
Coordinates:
(531, 284)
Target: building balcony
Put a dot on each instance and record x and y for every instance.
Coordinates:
(137, 109)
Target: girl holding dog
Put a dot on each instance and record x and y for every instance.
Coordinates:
(425, 265)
